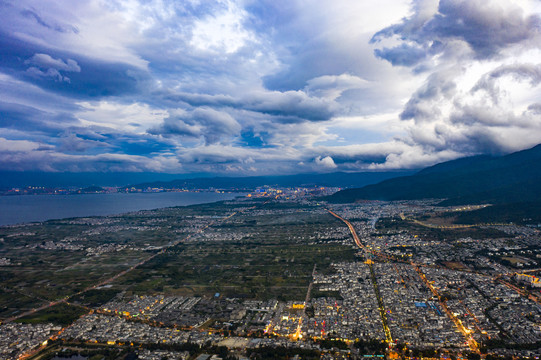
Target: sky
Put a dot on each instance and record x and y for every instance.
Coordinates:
(258, 87)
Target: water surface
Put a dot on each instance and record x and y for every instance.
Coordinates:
(30, 208)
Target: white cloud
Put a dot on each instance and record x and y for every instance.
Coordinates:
(331, 87)
(46, 61)
(134, 117)
(326, 163)
(223, 31)
(17, 145)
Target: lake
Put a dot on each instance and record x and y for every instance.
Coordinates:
(30, 208)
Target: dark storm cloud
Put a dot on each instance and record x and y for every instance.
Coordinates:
(101, 138)
(71, 143)
(32, 13)
(213, 126)
(487, 27)
(15, 91)
(404, 54)
(535, 108)
(289, 106)
(529, 72)
(362, 158)
(518, 72)
(33, 120)
(66, 73)
(32, 160)
(438, 85)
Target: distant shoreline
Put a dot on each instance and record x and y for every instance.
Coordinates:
(38, 208)
(224, 191)
(109, 190)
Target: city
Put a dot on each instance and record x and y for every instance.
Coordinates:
(317, 284)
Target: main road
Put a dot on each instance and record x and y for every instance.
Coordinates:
(370, 264)
(351, 230)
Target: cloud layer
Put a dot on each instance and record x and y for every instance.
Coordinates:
(259, 87)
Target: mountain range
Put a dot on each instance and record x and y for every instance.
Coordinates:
(512, 178)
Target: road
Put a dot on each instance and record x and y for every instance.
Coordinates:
(307, 299)
(370, 264)
(458, 323)
(351, 230)
(449, 227)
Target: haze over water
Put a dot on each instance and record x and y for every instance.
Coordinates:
(31, 208)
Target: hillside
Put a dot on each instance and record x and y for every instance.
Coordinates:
(512, 178)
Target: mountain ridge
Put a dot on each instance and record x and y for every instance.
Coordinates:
(479, 179)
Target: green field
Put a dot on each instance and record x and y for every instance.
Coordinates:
(61, 314)
(272, 257)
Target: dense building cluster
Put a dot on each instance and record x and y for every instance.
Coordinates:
(404, 290)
